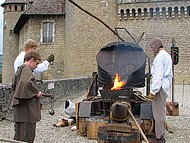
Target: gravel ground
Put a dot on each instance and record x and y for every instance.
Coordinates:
(47, 133)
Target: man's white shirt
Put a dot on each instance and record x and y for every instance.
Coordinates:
(20, 60)
(161, 72)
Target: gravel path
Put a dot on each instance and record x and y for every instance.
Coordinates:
(47, 133)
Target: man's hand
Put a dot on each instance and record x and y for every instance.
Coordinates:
(50, 58)
(39, 94)
(150, 97)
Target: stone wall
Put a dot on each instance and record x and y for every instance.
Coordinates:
(85, 36)
(60, 88)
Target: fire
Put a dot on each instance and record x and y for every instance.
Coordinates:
(117, 83)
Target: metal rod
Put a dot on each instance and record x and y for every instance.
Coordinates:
(48, 95)
(148, 78)
(172, 53)
(114, 32)
(128, 33)
(173, 83)
(141, 37)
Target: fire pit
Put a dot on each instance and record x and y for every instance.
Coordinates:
(121, 70)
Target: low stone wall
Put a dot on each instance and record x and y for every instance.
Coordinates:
(65, 87)
(60, 88)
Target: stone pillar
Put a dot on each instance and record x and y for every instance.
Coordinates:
(10, 42)
(185, 12)
(179, 12)
(160, 13)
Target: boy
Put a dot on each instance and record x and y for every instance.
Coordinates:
(26, 99)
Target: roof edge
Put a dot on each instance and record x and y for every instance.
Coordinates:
(7, 3)
(24, 18)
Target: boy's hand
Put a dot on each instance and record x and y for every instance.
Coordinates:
(39, 94)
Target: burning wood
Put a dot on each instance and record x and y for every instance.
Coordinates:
(117, 83)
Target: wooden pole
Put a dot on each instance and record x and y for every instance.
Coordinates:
(77, 114)
(143, 135)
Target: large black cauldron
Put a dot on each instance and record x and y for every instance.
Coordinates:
(125, 58)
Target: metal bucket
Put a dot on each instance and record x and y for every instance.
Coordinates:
(118, 134)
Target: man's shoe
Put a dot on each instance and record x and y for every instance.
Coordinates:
(161, 140)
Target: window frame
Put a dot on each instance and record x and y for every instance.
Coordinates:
(52, 36)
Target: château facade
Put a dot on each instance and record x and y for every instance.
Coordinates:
(75, 38)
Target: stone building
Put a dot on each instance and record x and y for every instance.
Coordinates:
(75, 38)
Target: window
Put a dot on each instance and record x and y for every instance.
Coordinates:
(157, 11)
(133, 13)
(122, 13)
(169, 11)
(145, 12)
(188, 10)
(182, 10)
(139, 12)
(48, 32)
(176, 11)
(151, 12)
(164, 11)
(22, 8)
(15, 7)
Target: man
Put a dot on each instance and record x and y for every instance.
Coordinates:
(161, 82)
(26, 102)
(31, 45)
